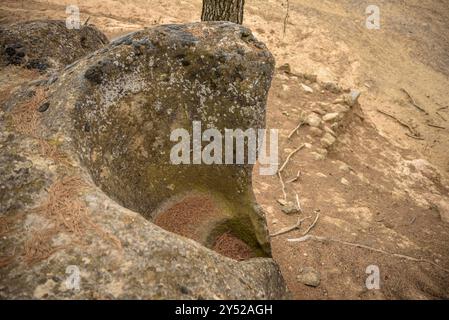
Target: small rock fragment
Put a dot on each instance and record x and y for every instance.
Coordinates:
(352, 98)
(290, 208)
(332, 87)
(306, 88)
(330, 116)
(316, 132)
(313, 120)
(327, 140)
(318, 156)
(282, 202)
(309, 277)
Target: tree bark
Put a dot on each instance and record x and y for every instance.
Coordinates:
(223, 10)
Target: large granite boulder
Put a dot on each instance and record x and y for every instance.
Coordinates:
(88, 173)
(22, 44)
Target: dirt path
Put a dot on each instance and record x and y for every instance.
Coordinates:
(369, 188)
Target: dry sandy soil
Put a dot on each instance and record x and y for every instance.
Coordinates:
(387, 197)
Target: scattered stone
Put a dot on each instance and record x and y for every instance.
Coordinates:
(321, 175)
(328, 140)
(345, 182)
(285, 68)
(319, 111)
(344, 167)
(316, 132)
(290, 208)
(442, 206)
(340, 108)
(329, 130)
(338, 100)
(310, 77)
(282, 202)
(330, 116)
(318, 156)
(322, 151)
(309, 276)
(351, 99)
(306, 88)
(323, 104)
(332, 87)
(313, 120)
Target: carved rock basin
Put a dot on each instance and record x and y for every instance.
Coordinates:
(112, 114)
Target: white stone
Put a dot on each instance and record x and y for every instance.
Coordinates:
(313, 120)
(330, 116)
(306, 88)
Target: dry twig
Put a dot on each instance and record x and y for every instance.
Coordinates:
(296, 129)
(358, 245)
(294, 178)
(435, 125)
(287, 15)
(441, 116)
(298, 204)
(297, 225)
(289, 156)
(412, 101)
(413, 133)
(313, 224)
(282, 185)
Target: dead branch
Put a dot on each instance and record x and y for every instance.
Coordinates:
(297, 225)
(290, 155)
(286, 18)
(441, 116)
(358, 245)
(296, 129)
(413, 132)
(412, 101)
(414, 137)
(294, 178)
(313, 224)
(282, 185)
(435, 125)
(298, 204)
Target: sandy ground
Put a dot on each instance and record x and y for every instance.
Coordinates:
(385, 203)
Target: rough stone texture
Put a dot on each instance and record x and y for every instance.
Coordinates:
(107, 122)
(309, 277)
(21, 44)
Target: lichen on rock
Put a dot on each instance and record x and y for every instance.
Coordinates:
(110, 115)
(46, 44)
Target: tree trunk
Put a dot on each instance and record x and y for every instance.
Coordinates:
(223, 10)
